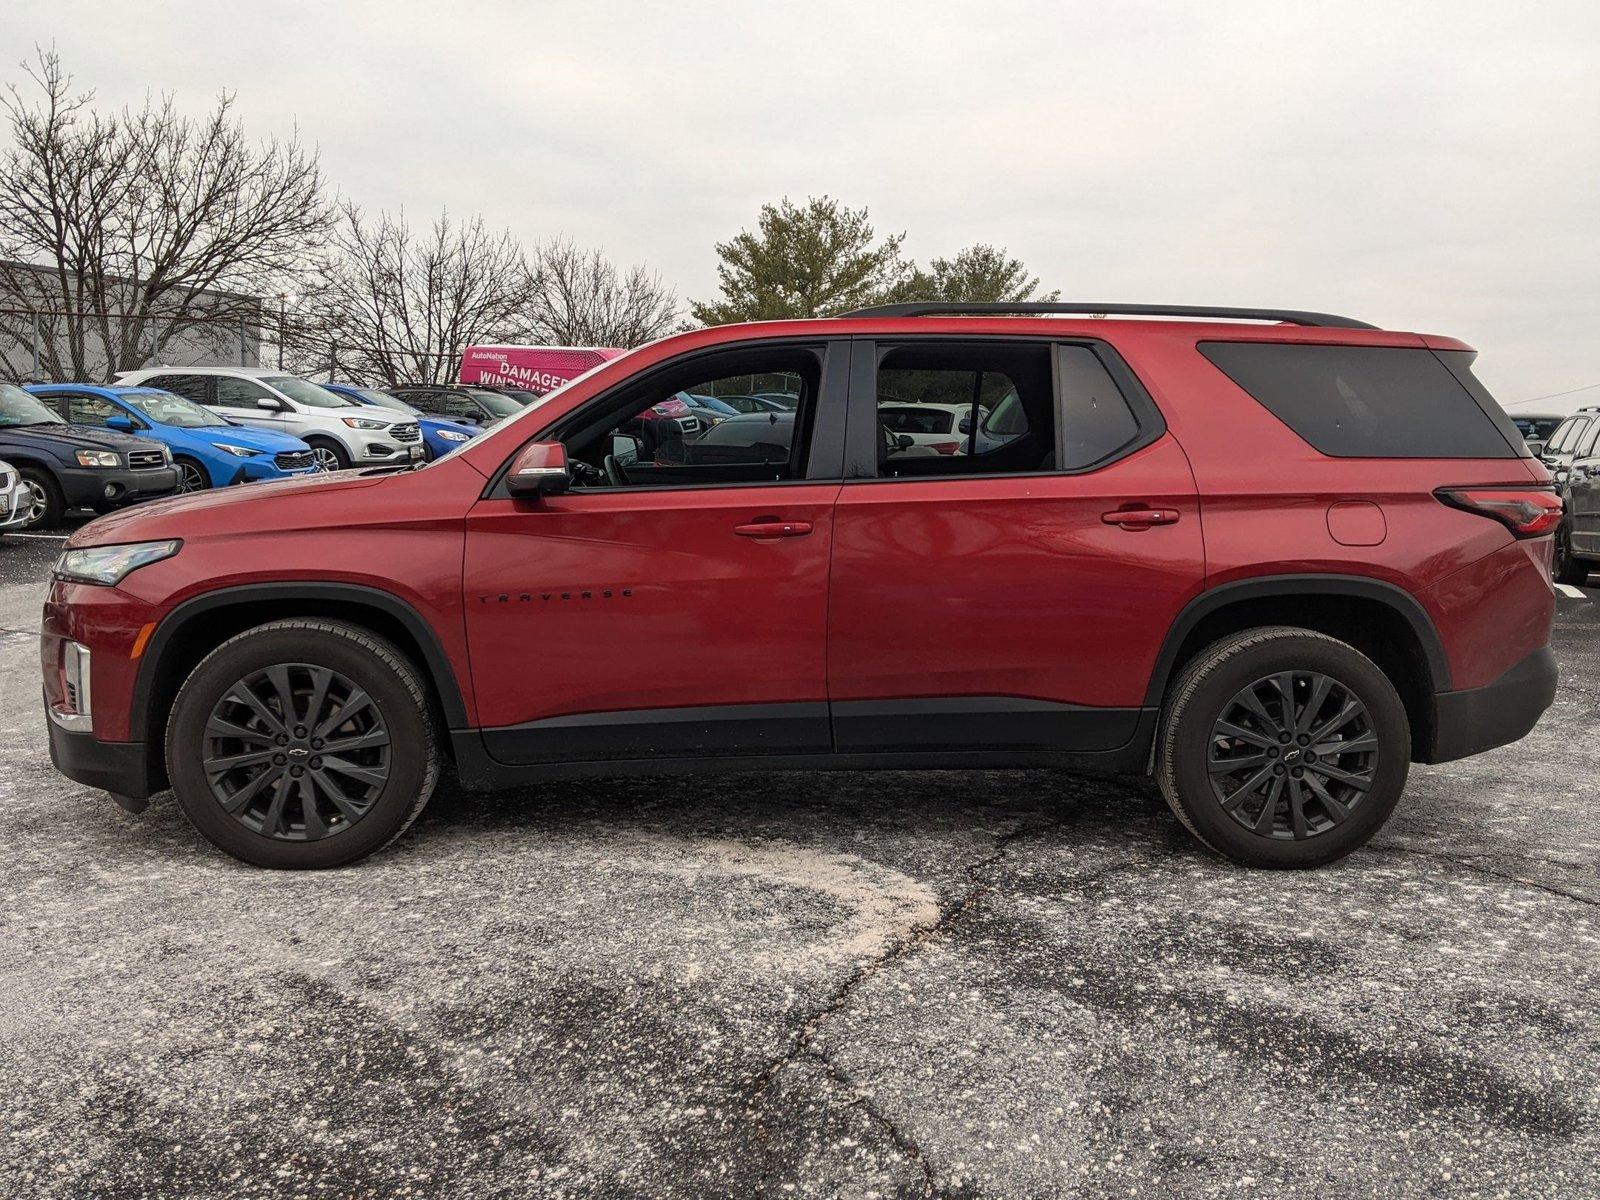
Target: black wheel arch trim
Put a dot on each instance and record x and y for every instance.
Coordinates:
(437, 663)
(1268, 587)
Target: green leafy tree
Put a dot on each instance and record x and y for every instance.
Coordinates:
(812, 260)
(978, 274)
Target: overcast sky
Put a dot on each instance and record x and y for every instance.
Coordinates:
(1422, 166)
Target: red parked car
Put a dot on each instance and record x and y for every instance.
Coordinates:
(1270, 557)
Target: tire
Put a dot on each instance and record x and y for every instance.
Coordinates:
(1566, 567)
(1302, 829)
(330, 455)
(394, 774)
(192, 477)
(48, 504)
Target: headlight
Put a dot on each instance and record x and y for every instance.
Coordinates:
(451, 435)
(111, 564)
(363, 423)
(98, 458)
(236, 451)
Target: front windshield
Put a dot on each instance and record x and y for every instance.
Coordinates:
(385, 400)
(500, 406)
(19, 408)
(166, 408)
(302, 391)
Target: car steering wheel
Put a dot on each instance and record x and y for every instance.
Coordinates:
(614, 472)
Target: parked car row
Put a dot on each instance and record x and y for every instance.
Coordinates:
(162, 430)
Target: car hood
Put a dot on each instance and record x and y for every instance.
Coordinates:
(74, 437)
(252, 439)
(171, 517)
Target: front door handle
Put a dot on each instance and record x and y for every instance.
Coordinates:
(1140, 518)
(773, 528)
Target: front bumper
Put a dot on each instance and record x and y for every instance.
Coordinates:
(381, 446)
(1477, 719)
(14, 508)
(119, 767)
(261, 470)
(83, 487)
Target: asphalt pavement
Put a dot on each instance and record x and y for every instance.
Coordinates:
(907, 984)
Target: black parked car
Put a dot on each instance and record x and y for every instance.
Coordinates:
(76, 466)
(459, 402)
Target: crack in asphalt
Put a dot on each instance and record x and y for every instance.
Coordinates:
(1469, 864)
(802, 1045)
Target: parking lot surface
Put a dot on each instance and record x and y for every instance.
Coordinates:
(1003, 984)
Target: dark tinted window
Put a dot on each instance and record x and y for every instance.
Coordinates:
(1366, 401)
(1096, 421)
(191, 387)
(917, 420)
(238, 393)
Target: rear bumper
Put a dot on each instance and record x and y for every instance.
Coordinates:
(120, 767)
(1477, 719)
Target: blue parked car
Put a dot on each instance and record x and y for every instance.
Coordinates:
(207, 450)
(439, 433)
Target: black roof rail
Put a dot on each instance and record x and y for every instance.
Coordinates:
(926, 308)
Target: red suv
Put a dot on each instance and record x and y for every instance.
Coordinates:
(1271, 558)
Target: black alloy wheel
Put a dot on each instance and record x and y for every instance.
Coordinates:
(1293, 755)
(191, 477)
(296, 751)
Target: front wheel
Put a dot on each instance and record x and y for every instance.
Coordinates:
(1282, 747)
(1566, 566)
(44, 503)
(330, 456)
(192, 476)
(302, 744)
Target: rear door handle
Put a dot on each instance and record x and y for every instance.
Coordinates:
(1140, 518)
(773, 529)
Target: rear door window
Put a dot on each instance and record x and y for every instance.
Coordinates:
(1571, 430)
(1369, 401)
(191, 387)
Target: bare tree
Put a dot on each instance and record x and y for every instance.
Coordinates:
(123, 231)
(580, 298)
(399, 306)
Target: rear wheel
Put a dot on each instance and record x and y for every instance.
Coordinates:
(1282, 747)
(45, 506)
(302, 744)
(1566, 566)
(330, 456)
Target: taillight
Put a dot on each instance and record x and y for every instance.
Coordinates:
(946, 447)
(1528, 512)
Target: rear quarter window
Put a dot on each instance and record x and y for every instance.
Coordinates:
(1371, 401)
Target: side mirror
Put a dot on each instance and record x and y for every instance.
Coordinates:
(120, 421)
(270, 403)
(540, 469)
(1536, 447)
(905, 441)
(625, 449)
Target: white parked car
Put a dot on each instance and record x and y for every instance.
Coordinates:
(340, 432)
(946, 428)
(16, 499)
